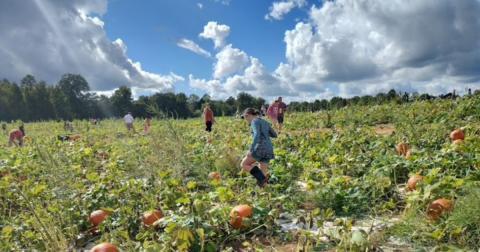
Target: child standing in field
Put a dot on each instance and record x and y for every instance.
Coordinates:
(272, 113)
(261, 148)
(146, 124)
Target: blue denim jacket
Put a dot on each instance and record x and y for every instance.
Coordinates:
(261, 145)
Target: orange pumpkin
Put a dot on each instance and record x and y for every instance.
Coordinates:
(149, 218)
(238, 213)
(214, 175)
(457, 134)
(412, 181)
(402, 149)
(437, 207)
(434, 111)
(97, 216)
(105, 247)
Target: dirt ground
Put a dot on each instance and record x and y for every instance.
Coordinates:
(385, 129)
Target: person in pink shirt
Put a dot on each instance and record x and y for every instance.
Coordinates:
(16, 134)
(146, 124)
(272, 113)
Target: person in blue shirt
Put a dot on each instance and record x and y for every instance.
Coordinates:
(261, 148)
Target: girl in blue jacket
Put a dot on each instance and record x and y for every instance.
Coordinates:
(261, 148)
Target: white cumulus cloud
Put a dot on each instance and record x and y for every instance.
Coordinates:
(50, 38)
(216, 32)
(190, 45)
(279, 9)
(229, 60)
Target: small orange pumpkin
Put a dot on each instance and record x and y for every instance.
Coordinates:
(97, 216)
(105, 247)
(149, 218)
(457, 134)
(434, 111)
(214, 175)
(238, 213)
(437, 207)
(412, 181)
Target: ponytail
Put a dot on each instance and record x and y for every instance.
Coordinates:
(252, 111)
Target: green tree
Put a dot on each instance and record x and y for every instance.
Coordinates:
(59, 103)
(122, 100)
(245, 100)
(43, 107)
(17, 104)
(73, 86)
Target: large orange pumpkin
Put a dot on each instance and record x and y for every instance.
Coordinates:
(214, 175)
(149, 218)
(457, 134)
(97, 217)
(238, 213)
(437, 207)
(412, 181)
(105, 247)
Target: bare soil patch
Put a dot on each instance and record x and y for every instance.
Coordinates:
(384, 129)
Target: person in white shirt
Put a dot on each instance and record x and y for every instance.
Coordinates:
(128, 119)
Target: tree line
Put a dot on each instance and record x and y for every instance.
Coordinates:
(70, 99)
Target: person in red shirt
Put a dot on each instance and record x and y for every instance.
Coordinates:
(282, 107)
(208, 118)
(16, 134)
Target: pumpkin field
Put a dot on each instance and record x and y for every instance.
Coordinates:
(393, 177)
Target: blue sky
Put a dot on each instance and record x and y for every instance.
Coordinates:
(299, 49)
(152, 34)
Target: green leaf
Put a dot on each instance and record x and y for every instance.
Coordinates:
(437, 234)
(183, 200)
(191, 184)
(170, 227)
(38, 188)
(359, 237)
(93, 177)
(7, 230)
(163, 174)
(200, 233)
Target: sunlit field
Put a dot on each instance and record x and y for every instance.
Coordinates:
(338, 183)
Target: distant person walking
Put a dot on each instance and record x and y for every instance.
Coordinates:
(146, 124)
(261, 148)
(4, 128)
(16, 134)
(208, 118)
(272, 113)
(282, 107)
(128, 119)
